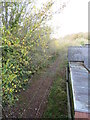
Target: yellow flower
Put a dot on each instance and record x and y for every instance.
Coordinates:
(16, 91)
(9, 43)
(10, 89)
(15, 86)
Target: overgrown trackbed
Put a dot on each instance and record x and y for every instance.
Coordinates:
(33, 101)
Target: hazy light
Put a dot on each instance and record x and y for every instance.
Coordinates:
(73, 19)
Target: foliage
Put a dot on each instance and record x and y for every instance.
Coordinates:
(77, 36)
(57, 100)
(24, 46)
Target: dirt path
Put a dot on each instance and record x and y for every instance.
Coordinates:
(33, 101)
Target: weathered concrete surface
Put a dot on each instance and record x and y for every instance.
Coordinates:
(79, 81)
(80, 54)
(79, 63)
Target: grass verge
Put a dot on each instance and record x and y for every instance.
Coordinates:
(57, 100)
(57, 103)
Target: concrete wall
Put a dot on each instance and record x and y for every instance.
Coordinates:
(80, 54)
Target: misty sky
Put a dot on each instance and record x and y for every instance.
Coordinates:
(73, 19)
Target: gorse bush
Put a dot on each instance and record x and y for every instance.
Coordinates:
(13, 66)
(24, 47)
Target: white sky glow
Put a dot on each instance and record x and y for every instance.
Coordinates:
(73, 19)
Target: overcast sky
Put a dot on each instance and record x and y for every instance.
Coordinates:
(73, 19)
